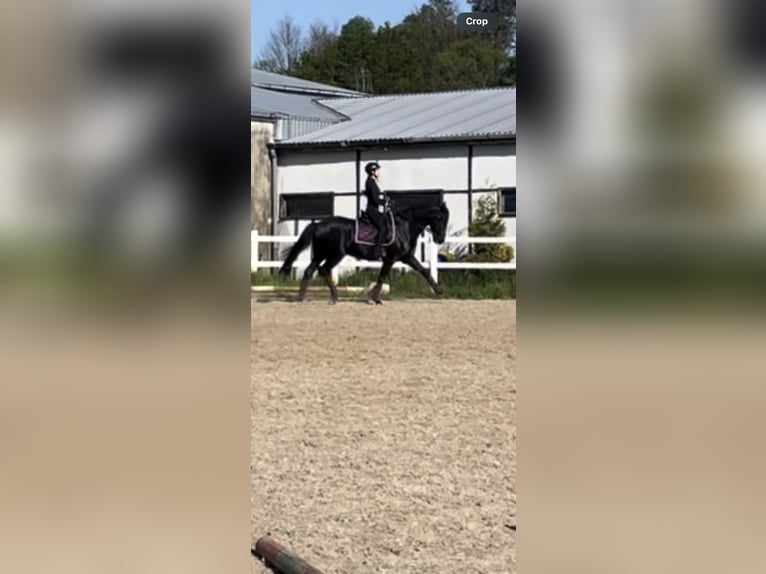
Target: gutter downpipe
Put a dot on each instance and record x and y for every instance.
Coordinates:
(274, 205)
(358, 184)
(470, 184)
(279, 127)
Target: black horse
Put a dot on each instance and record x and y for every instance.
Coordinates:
(333, 238)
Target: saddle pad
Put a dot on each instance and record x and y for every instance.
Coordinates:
(366, 233)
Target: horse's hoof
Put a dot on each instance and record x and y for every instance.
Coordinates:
(378, 302)
(332, 301)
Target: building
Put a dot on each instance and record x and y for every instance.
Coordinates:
(282, 107)
(450, 146)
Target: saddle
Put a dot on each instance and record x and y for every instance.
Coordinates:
(365, 233)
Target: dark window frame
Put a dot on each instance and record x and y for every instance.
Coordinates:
(285, 198)
(397, 194)
(501, 202)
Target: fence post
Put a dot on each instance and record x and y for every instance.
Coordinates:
(254, 249)
(433, 258)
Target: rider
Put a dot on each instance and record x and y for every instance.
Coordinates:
(377, 204)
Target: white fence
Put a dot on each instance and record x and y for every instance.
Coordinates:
(431, 260)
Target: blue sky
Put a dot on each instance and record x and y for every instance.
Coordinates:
(264, 14)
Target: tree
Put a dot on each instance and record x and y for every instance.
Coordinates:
(425, 52)
(346, 59)
(503, 37)
(437, 20)
(318, 61)
(320, 38)
(422, 36)
(283, 49)
(355, 53)
(386, 68)
(486, 222)
(467, 64)
(508, 77)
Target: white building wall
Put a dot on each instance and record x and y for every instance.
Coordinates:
(345, 206)
(413, 168)
(457, 203)
(442, 167)
(495, 166)
(306, 172)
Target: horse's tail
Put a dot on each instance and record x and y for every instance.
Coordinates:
(304, 241)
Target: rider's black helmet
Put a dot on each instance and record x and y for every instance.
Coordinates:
(371, 166)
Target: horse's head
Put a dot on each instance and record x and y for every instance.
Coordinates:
(438, 223)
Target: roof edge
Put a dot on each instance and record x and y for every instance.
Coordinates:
(342, 116)
(442, 92)
(354, 144)
(320, 92)
(283, 116)
(286, 83)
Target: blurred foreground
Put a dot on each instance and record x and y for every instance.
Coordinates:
(643, 203)
(124, 172)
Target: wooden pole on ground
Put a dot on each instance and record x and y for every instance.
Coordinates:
(280, 559)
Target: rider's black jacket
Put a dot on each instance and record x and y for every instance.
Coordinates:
(376, 197)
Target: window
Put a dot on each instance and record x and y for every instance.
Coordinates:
(424, 198)
(507, 202)
(306, 205)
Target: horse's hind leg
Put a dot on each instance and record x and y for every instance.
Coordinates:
(374, 296)
(306, 278)
(325, 270)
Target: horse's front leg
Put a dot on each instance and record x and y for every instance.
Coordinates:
(374, 295)
(413, 262)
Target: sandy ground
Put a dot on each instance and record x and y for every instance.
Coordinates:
(383, 438)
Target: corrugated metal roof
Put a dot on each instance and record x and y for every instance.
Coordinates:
(270, 104)
(489, 113)
(293, 127)
(272, 81)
